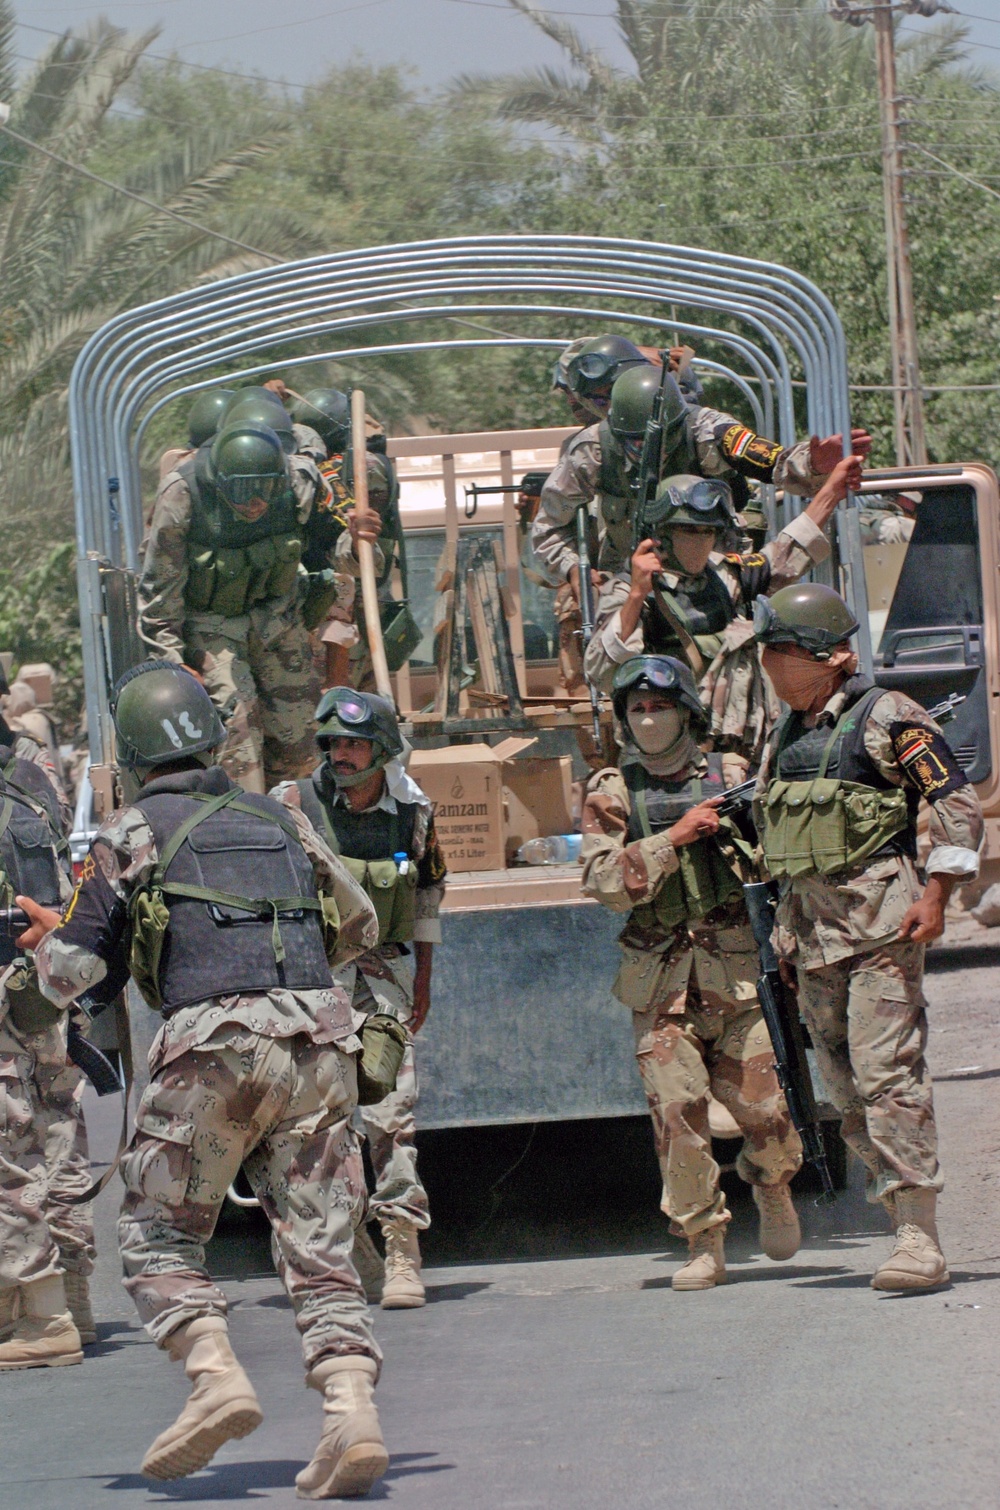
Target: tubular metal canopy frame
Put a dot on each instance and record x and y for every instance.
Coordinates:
(148, 356)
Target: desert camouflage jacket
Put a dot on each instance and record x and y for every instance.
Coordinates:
(823, 919)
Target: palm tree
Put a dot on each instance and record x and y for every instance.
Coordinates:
(74, 252)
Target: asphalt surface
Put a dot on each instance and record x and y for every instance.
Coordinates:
(555, 1367)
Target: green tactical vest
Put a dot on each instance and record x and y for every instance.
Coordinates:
(827, 824)
(392, 893)
(705, 879)
(234, 564)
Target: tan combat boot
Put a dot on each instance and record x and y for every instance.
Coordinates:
(368, 1262)
(43, 1336)
(403, 1288)
(8, 1311)
(222, 1404)
(916, 1261)
(780, 1234)
(706, 1267)
(351, 1455)
(78, 1300)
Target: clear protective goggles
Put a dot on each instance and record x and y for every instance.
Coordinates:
(242, 488)
(351, 709)
(647, 670)
(706, 495)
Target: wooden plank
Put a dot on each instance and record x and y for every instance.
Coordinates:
(485, 650)
(442, 654)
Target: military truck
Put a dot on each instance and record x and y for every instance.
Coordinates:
(523, 1027)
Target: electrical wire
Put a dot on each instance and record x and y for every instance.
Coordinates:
(957, 171)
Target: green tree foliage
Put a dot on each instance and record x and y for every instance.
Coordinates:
(40, 621)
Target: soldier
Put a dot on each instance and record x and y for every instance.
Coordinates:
(853, 919)
(378, 820)
(221, 592)
(599, 466)
(655, 847)
(252, 1067)
(204, 418)
(37, 1328)
(681, 598)
(889, 518)
(263, 406)
(23, 746)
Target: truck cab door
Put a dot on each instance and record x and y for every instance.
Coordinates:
(929, 543)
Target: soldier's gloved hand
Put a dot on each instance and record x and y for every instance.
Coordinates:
(697, 823)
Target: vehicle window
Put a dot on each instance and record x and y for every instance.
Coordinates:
(925, 604)
(423, 552)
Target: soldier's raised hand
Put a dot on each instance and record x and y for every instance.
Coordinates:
(824, 454)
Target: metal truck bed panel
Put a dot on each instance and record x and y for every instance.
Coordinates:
(523, 1026)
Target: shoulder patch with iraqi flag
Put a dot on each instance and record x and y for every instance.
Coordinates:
(748, 452)
(927, 759)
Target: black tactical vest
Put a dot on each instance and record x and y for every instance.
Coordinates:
(27, 861)
(704, 607)
(800, 750)
(667, 800)
(29, 781)
(374, 835)
(213, 949)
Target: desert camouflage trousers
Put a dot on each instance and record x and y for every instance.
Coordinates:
(260, 673)
(282, 1108)
(386, 985)
(717, 1043)
(43, 1159)
(868, 1020)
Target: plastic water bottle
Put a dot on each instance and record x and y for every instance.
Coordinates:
(557, 849)
(402, 860)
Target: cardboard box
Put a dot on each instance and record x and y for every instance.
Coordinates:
(487, 803)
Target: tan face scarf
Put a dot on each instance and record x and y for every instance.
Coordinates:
(807, 684)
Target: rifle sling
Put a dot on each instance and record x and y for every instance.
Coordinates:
(692, 654)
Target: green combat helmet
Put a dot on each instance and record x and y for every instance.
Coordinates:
(328, 412)
(344, 713)
(598, 362)
(632, 400)
(205, 414)
(686, 499)
(162, 714)
(660, 673)
(247, 464)
(806, 614)
(261, 407)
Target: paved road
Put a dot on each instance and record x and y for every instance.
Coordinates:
(557, 1368)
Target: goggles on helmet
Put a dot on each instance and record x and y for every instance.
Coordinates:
(647, 670)
(241, 488)
(352, 709)
(770, 629)
(706, 495)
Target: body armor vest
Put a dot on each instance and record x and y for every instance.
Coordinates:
(367, 843)
(705, 878)
(827, 807)
(704, 607)
(27, 868)
(233, 563)
(29, 782)
(218, 941)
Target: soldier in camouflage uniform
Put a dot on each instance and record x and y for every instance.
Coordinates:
(376, 817)
(683, 598)
(853, 919)
(598, 467)
(254, 1066)
(37, 1087)
(655, 847)
(222, 591)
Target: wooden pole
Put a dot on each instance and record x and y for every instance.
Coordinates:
(369, 588)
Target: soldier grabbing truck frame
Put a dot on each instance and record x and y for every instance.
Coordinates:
(254, 1066)
(836, 809)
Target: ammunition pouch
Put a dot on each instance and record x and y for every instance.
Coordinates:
(229, 580)
(321, 593)
(28, 1010)
(149, 916)
(825, 825)
(401, 634)
(704, 880)
(383, 1045)
(393, 896)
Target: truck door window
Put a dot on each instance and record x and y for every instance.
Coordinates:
(925, 602)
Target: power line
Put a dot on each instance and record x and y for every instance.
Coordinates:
(957, 171)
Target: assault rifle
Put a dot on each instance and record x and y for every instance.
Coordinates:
(648, 475)
(781, 1014)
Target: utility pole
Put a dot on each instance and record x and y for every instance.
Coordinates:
(907, 394)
